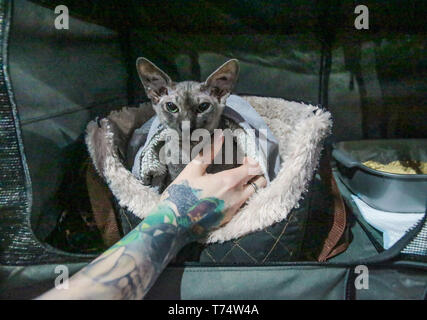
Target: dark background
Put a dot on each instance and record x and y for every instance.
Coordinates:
(373, 81)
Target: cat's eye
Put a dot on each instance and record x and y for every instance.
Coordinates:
(203, 107)
(171, 107)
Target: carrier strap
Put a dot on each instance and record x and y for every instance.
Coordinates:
(331, 246)
(100, 198)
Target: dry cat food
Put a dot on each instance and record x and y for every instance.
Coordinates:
(399, 166)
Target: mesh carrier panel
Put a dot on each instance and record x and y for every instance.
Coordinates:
(418, 245)
(18, 245)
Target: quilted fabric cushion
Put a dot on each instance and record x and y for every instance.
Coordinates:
(281, 242)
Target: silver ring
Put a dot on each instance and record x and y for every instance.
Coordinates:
(254, 186)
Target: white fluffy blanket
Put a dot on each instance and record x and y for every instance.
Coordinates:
(299, 128)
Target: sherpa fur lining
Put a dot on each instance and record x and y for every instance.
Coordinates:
(299, 128)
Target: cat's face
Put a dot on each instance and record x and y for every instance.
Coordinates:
(200, 104)
(187, 101)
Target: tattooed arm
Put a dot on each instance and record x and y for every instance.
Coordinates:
(192, 205)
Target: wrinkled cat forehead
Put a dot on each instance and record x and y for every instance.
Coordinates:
(189, 92)
(188, 86)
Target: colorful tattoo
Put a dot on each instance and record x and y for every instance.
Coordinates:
(194, 214)
(129, 268)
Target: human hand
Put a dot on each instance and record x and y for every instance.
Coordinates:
(203, 202)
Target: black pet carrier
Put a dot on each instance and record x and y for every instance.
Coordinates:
(58, 76)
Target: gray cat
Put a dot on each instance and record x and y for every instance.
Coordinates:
(200, 104)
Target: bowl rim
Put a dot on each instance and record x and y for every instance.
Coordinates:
(360, 165)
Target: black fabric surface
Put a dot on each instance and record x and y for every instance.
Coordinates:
(52, 83)
(372, 82)
(61, 80)
(18, 245)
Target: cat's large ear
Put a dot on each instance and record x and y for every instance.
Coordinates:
(223, 79)
(154, 80)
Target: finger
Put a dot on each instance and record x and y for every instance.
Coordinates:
(254, 170)
(245, 172)
(202, 161)
(245, 193)
(249, 189)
